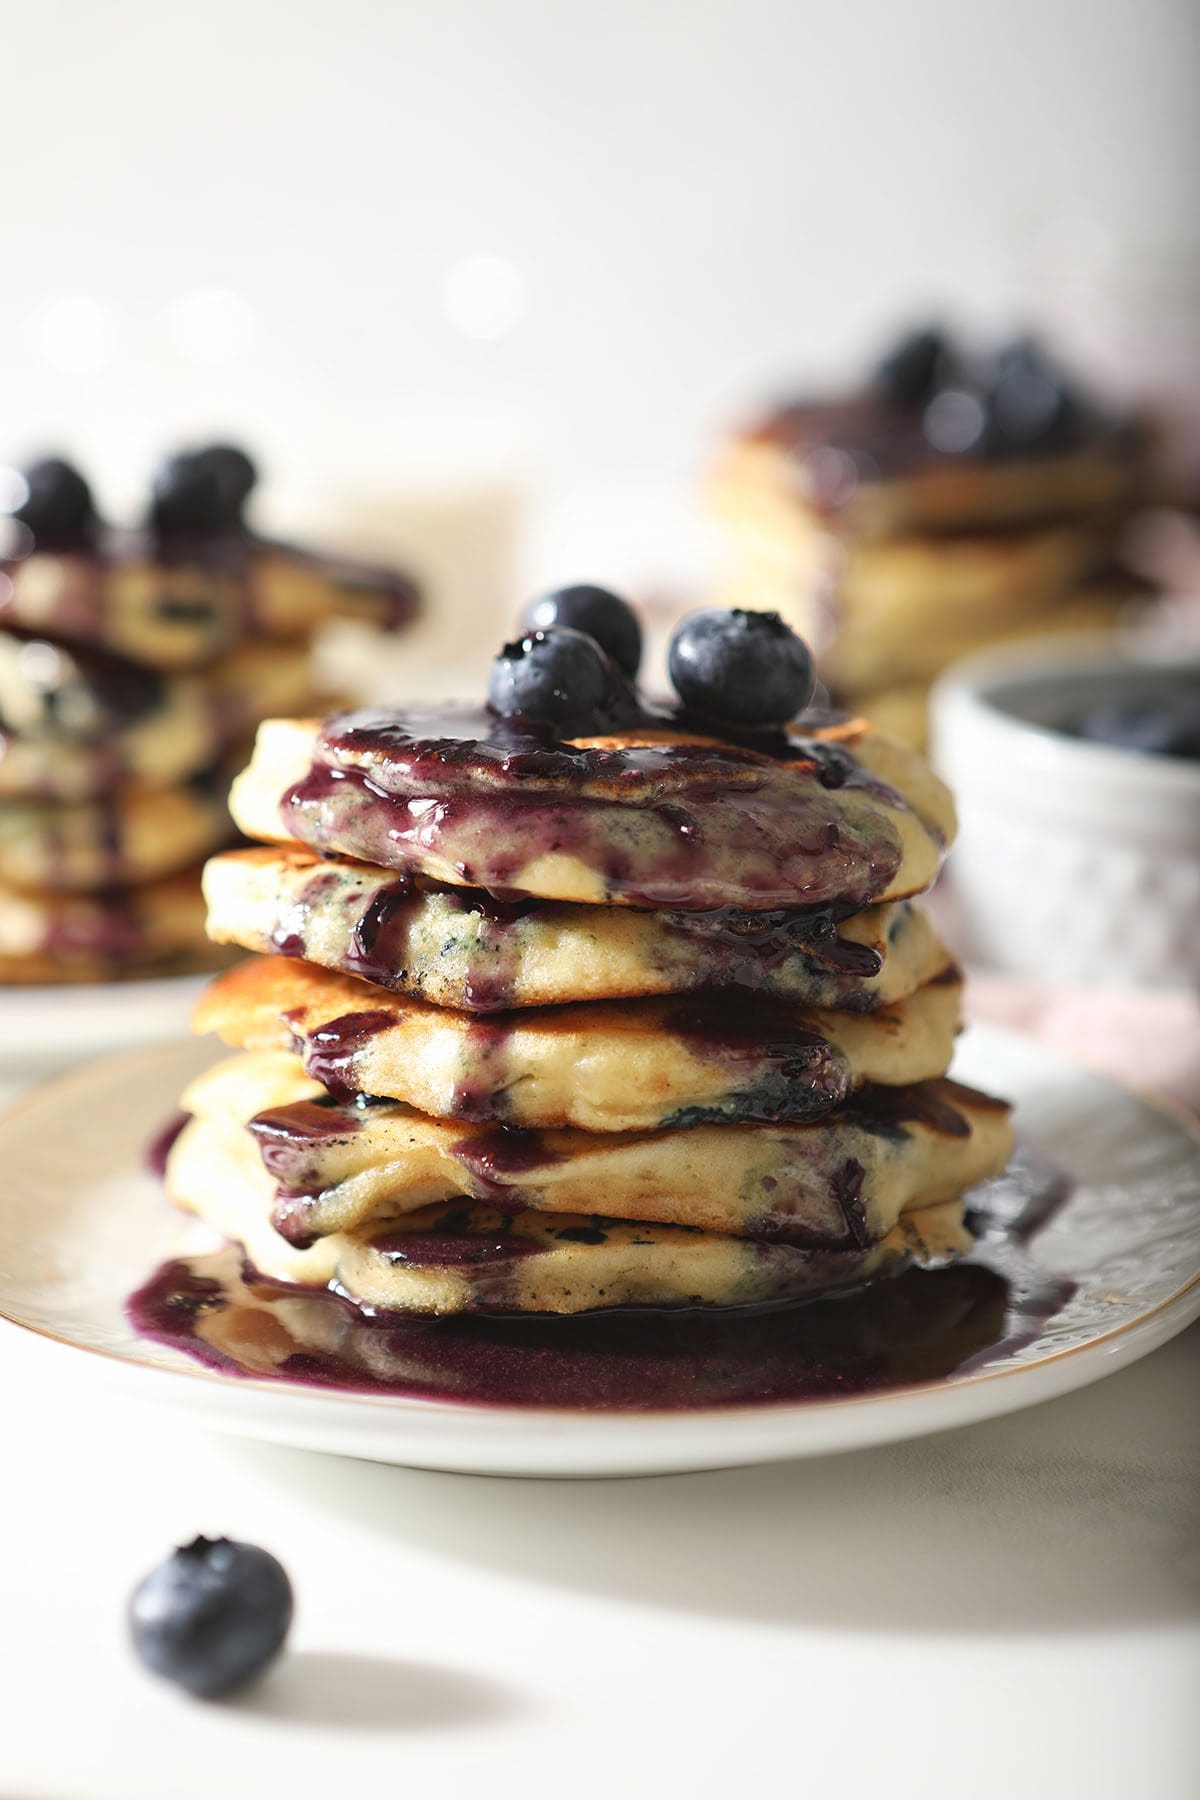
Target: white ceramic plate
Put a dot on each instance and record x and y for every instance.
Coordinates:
(82, 1224)
(42, 1025)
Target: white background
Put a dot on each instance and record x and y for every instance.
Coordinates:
(692, 198)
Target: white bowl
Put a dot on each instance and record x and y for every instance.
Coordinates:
(1076, 861)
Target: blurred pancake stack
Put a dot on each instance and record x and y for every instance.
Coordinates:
(951, 502)
(577, 1001)
(134, 668)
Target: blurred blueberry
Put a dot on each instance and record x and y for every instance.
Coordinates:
(58, 508)
(212, 1616)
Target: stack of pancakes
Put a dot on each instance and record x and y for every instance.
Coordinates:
(951, 503)
(133, 672)
(551, 1022)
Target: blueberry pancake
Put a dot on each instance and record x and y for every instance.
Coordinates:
(156, 927)
(73, 721)
(338, 1165)
(939, 440)
(192, 584)
(458, 947)
(135, 834)
(578, 1001)
(631, 1066)
(133, 667)
(183, 609)
(954, 500)
(467, 1256)
(651, 814)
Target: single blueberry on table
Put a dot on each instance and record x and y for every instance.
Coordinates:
(597, 612)
(58, 508)
(212, 1616)
(558, 677)
(745, 668)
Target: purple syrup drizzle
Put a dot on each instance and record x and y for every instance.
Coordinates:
(330, 1049)
(916, 1327)
(673, 824)
(162, 1144)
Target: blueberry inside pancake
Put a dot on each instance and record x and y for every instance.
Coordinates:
(629, 1066)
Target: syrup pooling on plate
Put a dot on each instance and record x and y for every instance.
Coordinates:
(925, 1325)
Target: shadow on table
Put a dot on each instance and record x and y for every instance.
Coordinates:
(371, 1693)
(1077, 1514)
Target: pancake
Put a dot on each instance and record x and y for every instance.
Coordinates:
(133, 835)
(842, 1180)
(156, 928)
(865, 658)
(652, 816)
(594, 1066)
(459, 948)
(467, 1256)
(870, 472)
(185, 612)
(73, 721)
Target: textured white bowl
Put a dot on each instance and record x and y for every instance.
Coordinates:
(1075, 862)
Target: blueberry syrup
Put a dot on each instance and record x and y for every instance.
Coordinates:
(162, 1143)
(870, 435)
(496, 1160)
(666, 824)
(922, 1325)
(329, 1050)
(223, 606)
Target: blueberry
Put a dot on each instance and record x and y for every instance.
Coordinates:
(955, 422)
(1028, 402)
(747, 668)
(201, 493)
(1172, 729)
(58, 507)
(914, 367)
(594, 610)
(187, 500)
(558, 677)
(236, 477)
(212, 1616)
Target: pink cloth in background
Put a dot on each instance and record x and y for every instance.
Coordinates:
(1149, 1040)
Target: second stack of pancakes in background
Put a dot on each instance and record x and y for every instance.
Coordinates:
(576, 1000)
(953, 501)
(134, 667)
